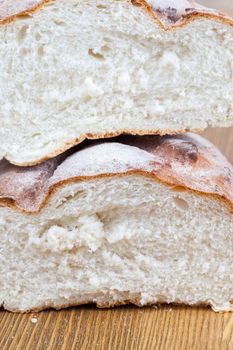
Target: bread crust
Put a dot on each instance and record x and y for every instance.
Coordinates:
(168, 18)
(98, 136)
(11, 10)
(185, 162)
(126, 299)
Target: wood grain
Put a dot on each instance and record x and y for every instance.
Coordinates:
(163, 328)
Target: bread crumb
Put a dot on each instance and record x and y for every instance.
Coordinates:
(34, 320)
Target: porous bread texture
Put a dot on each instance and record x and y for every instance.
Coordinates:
(89, 69)
(117, 240)
(140, 220)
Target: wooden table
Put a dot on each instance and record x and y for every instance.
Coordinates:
(167, 327)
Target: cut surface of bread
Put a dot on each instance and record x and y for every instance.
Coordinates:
(77, 69)
(137, 220)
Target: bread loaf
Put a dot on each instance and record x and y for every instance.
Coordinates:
(77, 69)
(140, 220)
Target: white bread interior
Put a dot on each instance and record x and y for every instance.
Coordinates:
(77, 69)
(117, 240)
(138, 219)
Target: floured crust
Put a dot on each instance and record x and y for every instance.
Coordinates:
(185, 161)
(168, 14)
(11, 10)
(173, 14)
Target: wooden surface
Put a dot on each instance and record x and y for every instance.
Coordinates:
(125, 328)
(164, 328)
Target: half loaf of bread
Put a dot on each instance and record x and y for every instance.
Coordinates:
(76, 69)
(140, 220)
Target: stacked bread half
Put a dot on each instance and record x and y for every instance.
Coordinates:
(104, 197)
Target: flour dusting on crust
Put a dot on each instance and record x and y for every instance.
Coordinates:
(10, 8)
(188, 161)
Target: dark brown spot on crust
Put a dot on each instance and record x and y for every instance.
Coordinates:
(184, 150)
(170, 13)
(136, 3)
(190, 9)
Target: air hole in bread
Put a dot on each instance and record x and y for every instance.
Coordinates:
(38, 36)
(148, 185)
(40, 51)
(23, 52)
(22, 33)
(59, 22)
(180, 203)
(101, 7)
(148, 117)
(36, 135)
(105, 48)
(63, 200)
(95, 55)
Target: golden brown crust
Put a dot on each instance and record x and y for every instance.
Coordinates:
(185, 161)
(11, 10)
(168, 18)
